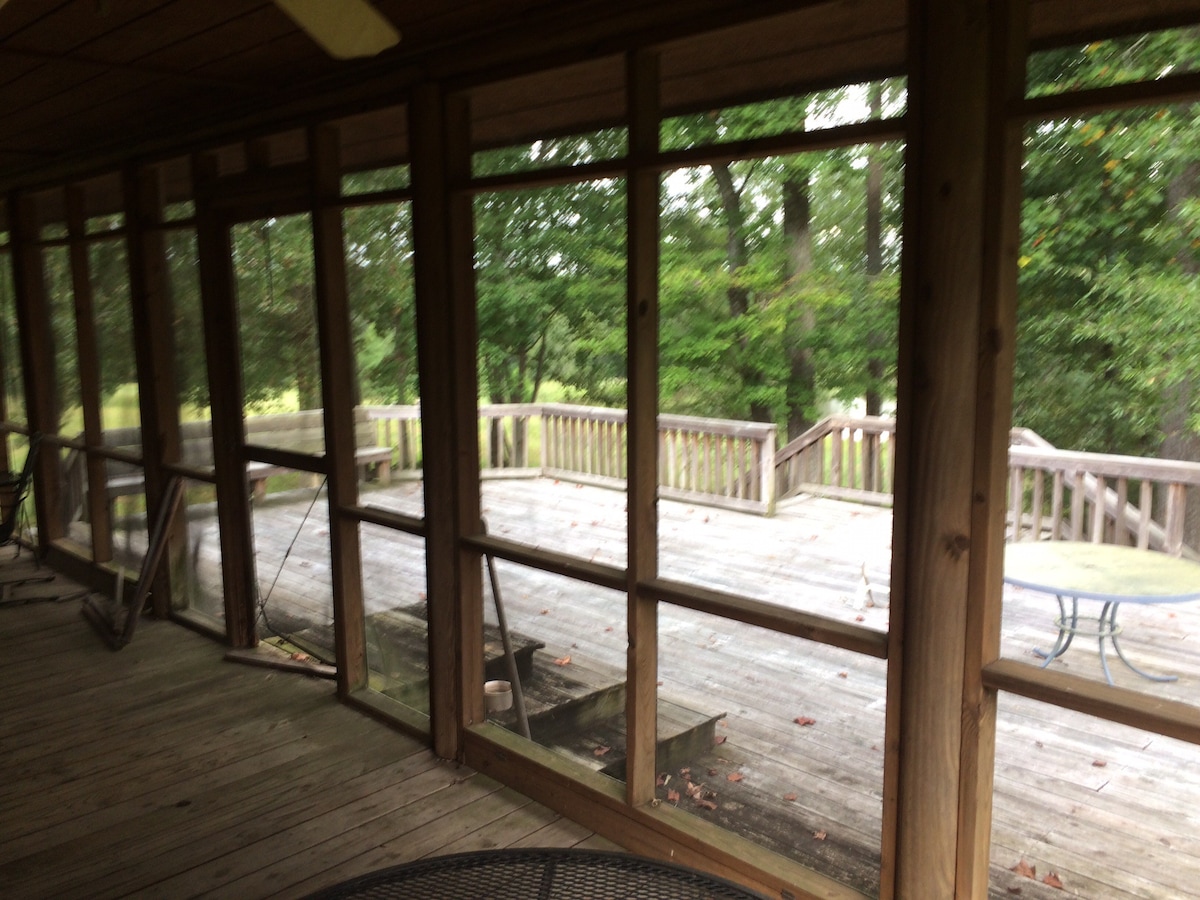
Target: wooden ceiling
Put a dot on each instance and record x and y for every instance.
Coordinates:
(87, 83)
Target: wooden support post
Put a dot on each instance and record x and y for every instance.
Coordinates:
(88, 357)
(445, 312)
(222, 349)
(37, 362)
(337, 387)
(154, 348)
(641, 710)
(956, 333)
(996, 345)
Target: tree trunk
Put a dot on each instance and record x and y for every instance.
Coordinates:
(1179, 440)
(798, 261)
(738, 295)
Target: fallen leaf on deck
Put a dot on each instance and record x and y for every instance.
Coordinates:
(609, 628)
(707, 804)
(421, 595)
(574, 646)
(685, 771)
(790, 798)
(1053, 880)
(564, 661)
(804, 720)
(1099, 763)
(1013, 889)
(1025, 869)
(719, 739)
(859, 618)
(843, 674)
(734, 776)
(712, 772)
(820, 835)
(601, 751)
(545, 612)
(672, 796)
(573, 524)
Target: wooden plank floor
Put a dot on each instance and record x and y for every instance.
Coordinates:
(1109, 810)
(163, 771)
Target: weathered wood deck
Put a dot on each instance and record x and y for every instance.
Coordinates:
(1120, 830)
(1110, 810)
(163, 771)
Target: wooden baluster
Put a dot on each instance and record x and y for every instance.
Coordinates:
(853, 450)
(1016, 501)
(1176, 505)
(1146, 504)
(835, 458)
(1035, 525)
(1077, 500)
(1056, 507)
(1120, 526)
(1099, 510)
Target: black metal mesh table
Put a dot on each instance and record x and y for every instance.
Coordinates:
(538, 873)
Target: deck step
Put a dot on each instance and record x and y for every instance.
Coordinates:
(579, 711)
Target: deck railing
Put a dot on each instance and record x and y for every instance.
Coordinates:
(1053, 494)
(714, 461)
(1070, 495)
(841, 456)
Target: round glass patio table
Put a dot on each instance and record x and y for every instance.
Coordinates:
(1105, 573)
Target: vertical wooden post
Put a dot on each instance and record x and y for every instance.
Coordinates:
(641, 710)
(1001, 229)
(337, 387)
(154, 348)
(37, 362)
(946, 454)
(445, 312)
(89, 377)
(223, 351)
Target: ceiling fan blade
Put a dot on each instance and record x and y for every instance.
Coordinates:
(346, 29)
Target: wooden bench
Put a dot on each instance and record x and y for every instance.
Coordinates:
(300, 431)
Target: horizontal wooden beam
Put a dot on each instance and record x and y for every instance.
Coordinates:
(1172, 718)
(771, 616)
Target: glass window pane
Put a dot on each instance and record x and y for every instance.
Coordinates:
(572, 150)
(197, 579)
(290, 517)
(1105, 400)
(73, 505)
(550, 269)
(56, 263)
(779, 283)
(129, 521)
(10, 347)
(777, 740)
(845, 105)
(191, 366)
(1090, 808)
(569, 646)
(281, 371)
(120, 415)
(397, 621)
(379, 278)
(1121, 60)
